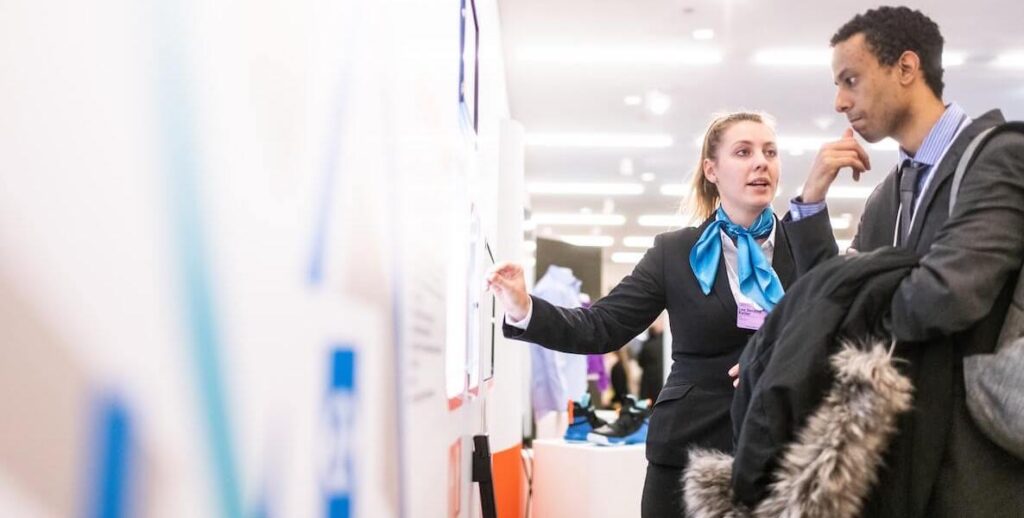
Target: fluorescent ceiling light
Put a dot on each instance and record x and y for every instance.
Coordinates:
(627, 257)
(841, 223)
(794, 57)
(598, 140)
(1010, 60)
(675, 189)
(638, 241)
(663, 220)
(620, 55)
(952, 58)
(633, 100)
(703, 34)
(593, 188)
(579, 219)
(648, 177)
(588, 240)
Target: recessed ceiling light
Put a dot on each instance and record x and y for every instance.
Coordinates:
(626, 167)
(627, 257)
(633, 100)
(585, 240)
(585, 188)
(578, 219)
(638, 241)
(620, 55)
(658, 103)
(703, 34)
(600, 140)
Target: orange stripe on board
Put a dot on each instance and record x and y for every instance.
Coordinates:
(509, 481)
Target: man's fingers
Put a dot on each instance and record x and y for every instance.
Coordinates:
(848, 132)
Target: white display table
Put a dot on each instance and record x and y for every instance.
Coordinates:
(576, 480)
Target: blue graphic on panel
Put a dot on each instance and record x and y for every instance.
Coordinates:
(111, 474)
(340, 414)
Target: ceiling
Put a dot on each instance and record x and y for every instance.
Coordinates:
(586, 92)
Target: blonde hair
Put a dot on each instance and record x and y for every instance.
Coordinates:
(703, 197)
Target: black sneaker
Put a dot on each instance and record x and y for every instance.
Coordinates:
(629, 428)
(582, 420)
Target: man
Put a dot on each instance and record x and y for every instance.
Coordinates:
(887, 67)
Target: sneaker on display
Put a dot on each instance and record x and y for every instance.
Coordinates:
(582, 420)
(629, 428)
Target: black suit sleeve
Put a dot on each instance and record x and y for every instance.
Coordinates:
(811, 240)
(610, 322)
(974, 253)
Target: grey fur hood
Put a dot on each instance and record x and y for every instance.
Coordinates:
(830, 468)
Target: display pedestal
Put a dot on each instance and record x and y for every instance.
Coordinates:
(578, 479)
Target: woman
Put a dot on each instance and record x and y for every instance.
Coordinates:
(717, 282)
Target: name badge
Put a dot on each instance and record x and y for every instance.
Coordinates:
(749, 316)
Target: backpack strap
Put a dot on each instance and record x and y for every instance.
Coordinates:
(971, 153)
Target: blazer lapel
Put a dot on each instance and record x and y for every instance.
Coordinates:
(722, 290)
(782, 257)
(946, 168)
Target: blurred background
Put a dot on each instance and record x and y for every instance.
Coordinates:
(242, 243)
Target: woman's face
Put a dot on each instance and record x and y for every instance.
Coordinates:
(745, 169)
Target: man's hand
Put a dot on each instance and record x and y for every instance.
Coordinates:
(507, 283)
(833, 156)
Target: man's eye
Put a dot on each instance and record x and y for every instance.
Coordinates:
(851, 81)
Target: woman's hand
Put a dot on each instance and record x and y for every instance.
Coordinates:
(506, 282)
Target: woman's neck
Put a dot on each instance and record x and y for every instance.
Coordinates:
(742, 217)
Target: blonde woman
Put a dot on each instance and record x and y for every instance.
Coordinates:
(717, 280)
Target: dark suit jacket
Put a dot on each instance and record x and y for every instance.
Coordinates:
(693, 407)
(950, 306)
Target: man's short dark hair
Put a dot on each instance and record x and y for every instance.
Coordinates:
(891, 31)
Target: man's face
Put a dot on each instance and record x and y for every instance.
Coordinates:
(868, 93)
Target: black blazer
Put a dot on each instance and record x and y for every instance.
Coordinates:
(693, 407)
(952, 305)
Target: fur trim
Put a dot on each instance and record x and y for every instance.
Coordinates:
(829, 469)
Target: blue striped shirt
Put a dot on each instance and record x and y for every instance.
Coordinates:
(934, 146)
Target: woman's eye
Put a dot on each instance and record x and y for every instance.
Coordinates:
(771, 153)
(851, 81)
(742, 152)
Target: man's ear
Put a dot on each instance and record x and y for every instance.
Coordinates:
(908, 66)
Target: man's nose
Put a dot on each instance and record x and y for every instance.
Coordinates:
(842, 102)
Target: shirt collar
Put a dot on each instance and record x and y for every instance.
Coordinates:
(939, 138)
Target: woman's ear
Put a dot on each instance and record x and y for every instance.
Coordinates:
(708, 166)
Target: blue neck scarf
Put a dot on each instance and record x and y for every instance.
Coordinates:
(758, 280)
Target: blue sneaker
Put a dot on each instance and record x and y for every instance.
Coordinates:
(629, 428)
(582, 420)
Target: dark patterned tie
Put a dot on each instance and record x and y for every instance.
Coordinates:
(909, 172)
